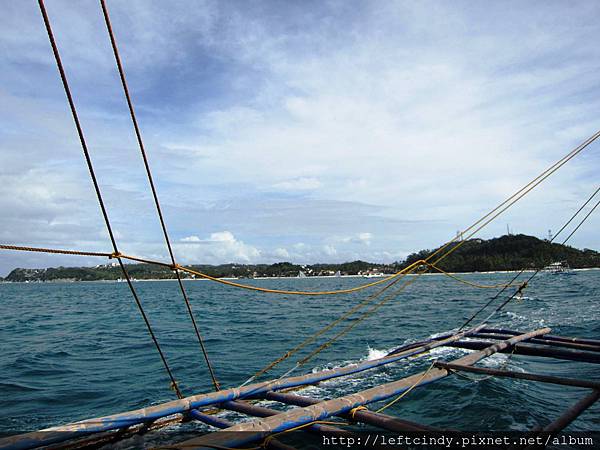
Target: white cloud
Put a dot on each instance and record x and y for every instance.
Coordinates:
(298, 184)
(365, 237)
(329, 250)
(432, 129)
(191, 239)
(219, 247)
(281, 253)
(222, 236)
(358, 238)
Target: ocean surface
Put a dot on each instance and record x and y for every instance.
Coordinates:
(71, 351)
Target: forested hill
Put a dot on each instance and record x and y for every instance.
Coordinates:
(511, 252)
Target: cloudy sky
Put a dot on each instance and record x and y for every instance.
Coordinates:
(300, 131)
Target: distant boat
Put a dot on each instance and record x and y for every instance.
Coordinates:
(373, 275)
(558, 267)
(338, 274)
(301, 274)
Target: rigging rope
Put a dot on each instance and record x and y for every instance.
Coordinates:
(406, 392)
(323, 330)
(286, 292)
(53, 250)
(475, 227)
(565, 225)
(493, 214)
(490, 216)
(90, 166)
(499, 308)
(470, 283)
(392, 279)
(185, 269)
(138, 135)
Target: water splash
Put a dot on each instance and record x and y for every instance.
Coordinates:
(374, 353)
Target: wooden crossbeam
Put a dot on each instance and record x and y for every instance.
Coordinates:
(522, 376)
(260, 429)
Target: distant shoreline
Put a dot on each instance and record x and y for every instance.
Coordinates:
(495, 255)
(284, 278)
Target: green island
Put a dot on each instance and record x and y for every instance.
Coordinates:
(505, 253)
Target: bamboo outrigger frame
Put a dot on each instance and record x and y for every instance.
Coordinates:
(268, 422)
(307, 411)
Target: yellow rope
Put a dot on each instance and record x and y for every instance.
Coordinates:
(282, 291)
(509, 201)
(264, 443)
(353, 411)
(240, 285)
(470, 283)
(392, 279)
(405, 393)
(340, 291)
(299, 427)
(354, 323)
(53, 250)
(204, 275)
(486, 219)
(373, 309)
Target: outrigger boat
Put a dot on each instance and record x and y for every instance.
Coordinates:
(264, 425)
(306, 412)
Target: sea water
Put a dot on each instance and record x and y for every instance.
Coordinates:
(71, 351)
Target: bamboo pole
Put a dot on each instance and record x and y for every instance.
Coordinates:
(217, 422)
(522, 376)
(565, 419)
(260, 429)
(542, 341)
(549, 337)
(535, 350)
(261, 411)
(572, 413)
(210, 419)
(380, 420)
(152, 413)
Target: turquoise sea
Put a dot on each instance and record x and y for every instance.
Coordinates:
(71, 351)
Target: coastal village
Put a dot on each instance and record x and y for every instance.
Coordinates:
(506, 253)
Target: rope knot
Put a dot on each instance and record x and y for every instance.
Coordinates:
(115, 255)
(353, 411)
(267, 441)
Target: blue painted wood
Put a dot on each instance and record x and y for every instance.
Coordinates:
(152, 413)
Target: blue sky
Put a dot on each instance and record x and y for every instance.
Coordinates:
(300, 131)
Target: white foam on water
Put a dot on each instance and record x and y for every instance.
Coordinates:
(496, 360)
(374, 353)
(514, 315)
(445, 351)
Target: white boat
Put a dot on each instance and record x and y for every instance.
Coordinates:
(301, 274)
(557, 267)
